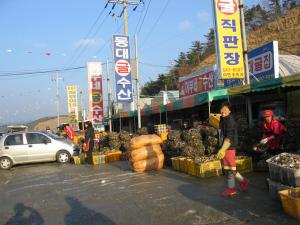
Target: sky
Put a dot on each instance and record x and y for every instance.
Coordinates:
(54, 34)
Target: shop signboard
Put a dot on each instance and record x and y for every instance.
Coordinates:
(95, 94)
(228, 39)
(72, 106)
(200, 81)
(263, 64)
(121, 53)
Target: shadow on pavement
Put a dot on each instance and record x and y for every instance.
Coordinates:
(121, 165)
(79, 214)
(252, 207)
(25, 215)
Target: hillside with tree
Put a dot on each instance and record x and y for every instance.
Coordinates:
(277, 20)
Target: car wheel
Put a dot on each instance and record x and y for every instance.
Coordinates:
(63, 157)
(5, 163)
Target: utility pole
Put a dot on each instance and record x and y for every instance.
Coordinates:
(244, 37)
(125, 18)
(245, 53)
(81, 108)
(108, 97)
(137, 82)
(56, 79)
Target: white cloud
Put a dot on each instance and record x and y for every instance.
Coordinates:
(88, 42)
(204, 16)
(185, 25)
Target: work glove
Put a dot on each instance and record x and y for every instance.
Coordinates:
(222, 151)
(264, 141)
(221, 154)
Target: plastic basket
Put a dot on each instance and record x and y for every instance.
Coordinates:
(82, 158)
(208, 169)
(164, 136)
(175, 163)
(214, 120)
(290, 200)
(96, 159)
(190, 164)
(182, 164)
(288, 176)
(244, 165)
(114, 156)
(274, 188)
(76, 160)
(101, 159)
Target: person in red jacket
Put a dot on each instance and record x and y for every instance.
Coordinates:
(273, 131)
(70, 132)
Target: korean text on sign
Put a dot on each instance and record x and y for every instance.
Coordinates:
(122, 68)
(229, 40)
(95, 93)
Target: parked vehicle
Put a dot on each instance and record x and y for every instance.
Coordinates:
(32, 146)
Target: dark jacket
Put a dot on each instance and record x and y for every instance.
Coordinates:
(89, 133)
(229, 130)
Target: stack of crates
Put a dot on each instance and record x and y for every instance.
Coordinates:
(281, 178)
(203, 170)
(160, 129)
(113, 156)
(175, 163)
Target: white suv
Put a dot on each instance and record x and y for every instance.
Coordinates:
(32, 146)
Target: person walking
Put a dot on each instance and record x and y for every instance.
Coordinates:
(227, 151)
(89, 141)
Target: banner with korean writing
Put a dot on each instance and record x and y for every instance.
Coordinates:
(228, 39)
(121, 52)
(95, 94)
(263, 64)
(72, 106)
(199, 81)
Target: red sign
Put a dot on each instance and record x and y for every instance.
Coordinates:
(95, 93)
(201, 83)
(188, 87)
(227, 7)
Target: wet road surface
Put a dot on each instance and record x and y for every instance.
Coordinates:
(111, 194)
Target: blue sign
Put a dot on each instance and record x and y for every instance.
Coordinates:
(263, 64)
(122, 68)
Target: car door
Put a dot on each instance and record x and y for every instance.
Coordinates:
(39, 146)
(15, 147)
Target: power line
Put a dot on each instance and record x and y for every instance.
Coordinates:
(42, 71)
(157, 20)
(88, 33)
(154, 65)
(143, 18)
(85, 47)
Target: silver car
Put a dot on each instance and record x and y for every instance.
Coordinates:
(31, 146)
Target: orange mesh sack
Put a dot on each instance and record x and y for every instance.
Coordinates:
(154, 163)
(145, 152)
(144, 140)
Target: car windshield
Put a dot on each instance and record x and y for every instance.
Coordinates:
(54, 136)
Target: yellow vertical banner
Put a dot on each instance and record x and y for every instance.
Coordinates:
(228, 39)
(72, 105)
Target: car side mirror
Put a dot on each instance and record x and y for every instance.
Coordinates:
(45, 141)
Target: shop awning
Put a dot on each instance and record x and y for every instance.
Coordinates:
(203, 98)
(288, 81)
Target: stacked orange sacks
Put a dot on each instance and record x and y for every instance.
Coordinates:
(146, 153)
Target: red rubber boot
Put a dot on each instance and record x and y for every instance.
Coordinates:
(229, 192)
